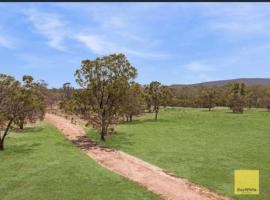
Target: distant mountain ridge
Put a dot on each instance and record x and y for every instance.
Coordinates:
(247, 81)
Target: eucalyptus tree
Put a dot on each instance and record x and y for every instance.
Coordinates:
(19, 103)
(155, 95)
(106, 82)
(208, 97)
(265, 101)
(236, 97)
(132, 101)
(166, 95)
(33, 102)
(67, 91)
(10, 103)
(67, 102)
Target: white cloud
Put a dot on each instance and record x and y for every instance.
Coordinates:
(96, 43)
(99, 45)
(102, 29)
(116, 35)
(50, 26)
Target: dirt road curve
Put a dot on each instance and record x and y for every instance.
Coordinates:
(145, 174)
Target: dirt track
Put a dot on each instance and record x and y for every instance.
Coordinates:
(145, 174)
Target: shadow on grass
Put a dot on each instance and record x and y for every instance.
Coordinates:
(123, 140)
(142, 121)
(115, 141)
(206, 110)
(62, 143)
(28, 130)
(264, 111)
(22, 148)
(235, 113)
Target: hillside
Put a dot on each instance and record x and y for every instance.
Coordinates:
(247, 81)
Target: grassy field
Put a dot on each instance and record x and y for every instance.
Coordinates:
(204, 147)
(39, 164)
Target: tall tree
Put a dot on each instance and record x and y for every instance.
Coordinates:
(33, 102)
(236, 100)
(10, 103)
(154, 95)
(166, 95)
(266, 100)
(67, 102)
(208, 97)
(18, 103)
(132, 101)
(67, 91)
(106, 81)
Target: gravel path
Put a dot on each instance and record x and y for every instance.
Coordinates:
(153, 178)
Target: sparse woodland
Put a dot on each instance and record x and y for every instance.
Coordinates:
(108, 95)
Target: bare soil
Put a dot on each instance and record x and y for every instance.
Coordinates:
(149, 176)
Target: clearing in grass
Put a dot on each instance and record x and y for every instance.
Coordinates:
(204, 147)
(39, 163)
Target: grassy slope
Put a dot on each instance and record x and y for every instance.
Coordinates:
(205, 147)
(40, 164)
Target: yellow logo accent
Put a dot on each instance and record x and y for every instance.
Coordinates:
(246, 182)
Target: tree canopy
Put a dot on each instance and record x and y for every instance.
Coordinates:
(19, 103)
(106, 81)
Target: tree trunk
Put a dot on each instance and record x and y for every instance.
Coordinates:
(103, 132)
(156, 113)
(130, 118)
(1, 145)
(102, 136)
(4, 135)
(21, 125)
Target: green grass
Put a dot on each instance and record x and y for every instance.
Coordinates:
(39, 164)
(204, 147)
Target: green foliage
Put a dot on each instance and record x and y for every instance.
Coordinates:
(33, 102)
(166, 95)
(105, 81)
(236, 97)
(132, 101)
(196, 96)
(19, 103)
(265, 100)
(187, 96)
(10, 104)
(67, 103)
(208, 97)
(156, 95)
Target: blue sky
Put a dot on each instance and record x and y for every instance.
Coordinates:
(168, 42)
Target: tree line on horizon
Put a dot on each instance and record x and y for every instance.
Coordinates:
(235, 95)
(108, 95)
